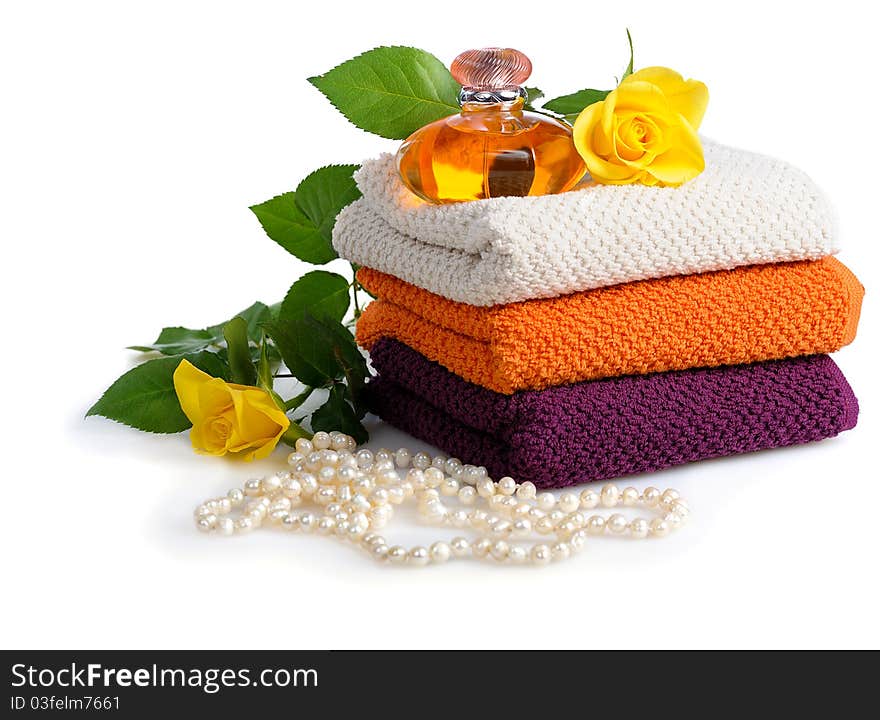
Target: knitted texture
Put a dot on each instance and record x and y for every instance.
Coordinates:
(744, 209)
(609, 428)
(761, 312)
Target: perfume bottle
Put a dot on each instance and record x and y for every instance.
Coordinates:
(493, 147)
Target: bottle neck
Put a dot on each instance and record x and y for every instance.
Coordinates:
(514, 107)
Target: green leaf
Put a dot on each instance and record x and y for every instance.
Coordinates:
(323, 193)
(391, 91)
(571, 105)
(178, 340)
(289, 226)
(348, 357)
(337, 414)
(307, 356)
(302, 222)
(241, 367)
(629, 68)
(320, 293)
(535, 94)
(254, 316)
(144, 397)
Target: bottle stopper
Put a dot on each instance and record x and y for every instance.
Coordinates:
(491, 75)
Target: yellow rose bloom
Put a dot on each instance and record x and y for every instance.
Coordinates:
(228, 418)
(645, 131)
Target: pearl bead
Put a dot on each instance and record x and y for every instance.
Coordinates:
(440, 552)
(638, 528)
(308, 521)
(499, 550)
(569, 502)
(421, 460)
(680, 509)
(291, 522)
(470, 474)
(396, 495)
(467, 495)
(433, 477)
(397, 554)
(417, 478)
(535, 514)
(659, 527)
(358, 491)
(673, 520)
(252, 487)
(460, 546)
(595, 525)
(304, 446)
(481, 547)
(578, 540)
(225, 526)
(617, 523)
(507, 486)
(650, 496)
(321, 440)
(546, 501)
(669, 497)
(380, 552)
(526, 491)
(478, 518)
(244, 524)
(449, 487)
(522, 527)
(589, 499)
(541, 554)
(629, 496)
(560, 551)
(609, 496)
(402, 458)
(309, 484)
(326, 525)
(291, 487)
(364, 459)
(453, 466)
(485, 487)
(544, 526)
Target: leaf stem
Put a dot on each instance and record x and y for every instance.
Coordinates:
(295, 402)
(355, 286)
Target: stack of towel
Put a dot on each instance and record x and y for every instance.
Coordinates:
(609, 330)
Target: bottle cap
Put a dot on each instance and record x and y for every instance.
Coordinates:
(491, 75)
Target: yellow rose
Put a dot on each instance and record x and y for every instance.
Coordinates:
(645, 131)
(228, 418)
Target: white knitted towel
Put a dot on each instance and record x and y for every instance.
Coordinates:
(744, 209)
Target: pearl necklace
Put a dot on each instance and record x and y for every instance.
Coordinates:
(355, 492)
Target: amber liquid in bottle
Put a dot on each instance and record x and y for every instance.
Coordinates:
(490, 150)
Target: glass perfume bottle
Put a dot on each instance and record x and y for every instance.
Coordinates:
(493, 147)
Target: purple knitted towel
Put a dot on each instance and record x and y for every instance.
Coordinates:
(607, 428)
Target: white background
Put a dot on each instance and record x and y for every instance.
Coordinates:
(133, 137)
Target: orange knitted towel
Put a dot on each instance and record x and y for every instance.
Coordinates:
(761, 312)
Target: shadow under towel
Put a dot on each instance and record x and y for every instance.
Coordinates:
(614, 427)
